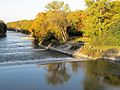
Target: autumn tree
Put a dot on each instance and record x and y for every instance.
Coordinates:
(52, 21)
(56, 17)
(75, 20)
(22, 24)
(39, 26)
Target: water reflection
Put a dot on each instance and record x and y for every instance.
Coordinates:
(57, 74)
(90, 75)
(100, 75)
(75, 66)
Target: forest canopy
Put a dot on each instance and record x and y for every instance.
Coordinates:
(100, 22)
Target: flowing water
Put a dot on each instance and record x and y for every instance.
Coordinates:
(24, 67)
(17, 48)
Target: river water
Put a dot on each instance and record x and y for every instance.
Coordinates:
(24, 67)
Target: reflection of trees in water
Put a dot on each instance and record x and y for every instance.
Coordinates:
(99, 72)
(91, 83)
(75, 66)
(57, 74)
(112, 79)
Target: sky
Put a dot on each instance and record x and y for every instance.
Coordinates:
(13, 10)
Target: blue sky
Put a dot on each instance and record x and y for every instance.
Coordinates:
(13, 10)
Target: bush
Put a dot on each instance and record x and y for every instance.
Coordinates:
(50, 38)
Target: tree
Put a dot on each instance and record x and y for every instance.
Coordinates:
(39, 26)
(75, 19)
(89, 2)
(58, 24)
(56, 17)
(100, 16)
(52, 22)
(57, 6)
(22, 24)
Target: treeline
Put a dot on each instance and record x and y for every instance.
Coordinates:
(58, 24)
(20, 26)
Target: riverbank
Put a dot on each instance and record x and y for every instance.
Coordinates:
(84, 52)
(87, 52)
(19, 30)
(96, 53)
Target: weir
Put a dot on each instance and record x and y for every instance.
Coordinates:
(15, 49)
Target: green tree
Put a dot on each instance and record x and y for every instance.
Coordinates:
(56, 17)
(57, 6)
(100, 17)
(58, 24)
(52, 22)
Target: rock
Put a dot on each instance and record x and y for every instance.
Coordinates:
(3, 29)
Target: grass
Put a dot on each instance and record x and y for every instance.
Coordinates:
(83, 39)
(95, 51)
(88, 40)
(104, 48)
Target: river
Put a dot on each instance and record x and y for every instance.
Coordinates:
(25, 67)
(17, 48)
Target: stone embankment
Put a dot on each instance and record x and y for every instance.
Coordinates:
(62, 49)
(93, 53)
(86, 52)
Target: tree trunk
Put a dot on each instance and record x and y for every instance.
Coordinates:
(64, 35)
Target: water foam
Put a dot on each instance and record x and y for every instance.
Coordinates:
(38, 61)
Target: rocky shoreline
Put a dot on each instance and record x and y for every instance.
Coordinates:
(92, 54)
(85, 53)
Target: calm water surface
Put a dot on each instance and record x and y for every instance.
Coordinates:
(92, 75)
(47, 70)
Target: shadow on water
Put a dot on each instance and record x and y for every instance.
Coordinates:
(101, 75)
(91, 75)
(57, 74)
(98, 75)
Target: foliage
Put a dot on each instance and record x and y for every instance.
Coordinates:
(39, 26)
(102, 16)
(56, 17)
(22, 24)
(84, 39)
(57, 6)
(54, 21)
(100, 22)
(75, 19)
